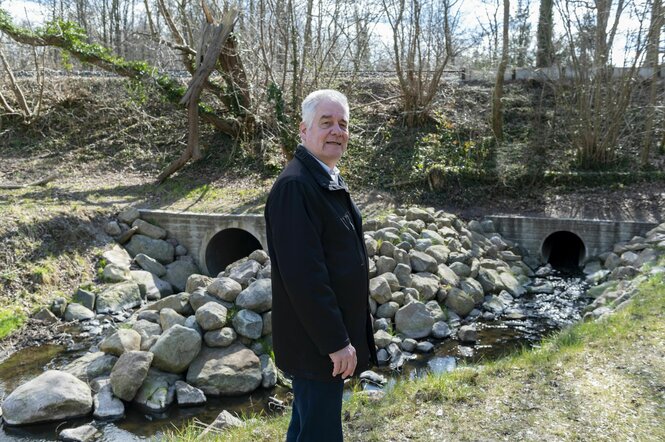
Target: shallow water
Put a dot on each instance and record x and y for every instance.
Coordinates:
(542, 315)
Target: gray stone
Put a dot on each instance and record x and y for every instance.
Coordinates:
(150, 285)
(178, 302)
(426, 284)
(415, 213)
(511, 284)
(459, 302)
(176, 348)
(408, 344)
(467, 333)
(256, 297)
(435, 310)
(371, 245)
(414, 320)
(150, 265)
(200, 297)
(118, 297)
(473, 288)
(157, 391)
(77, 312)
(495, 305)
(169, 317)
(422, 262)
(382, 356)
(245, 272)
(180, 250)
(129, 215)
(385, 264)
(178, 272)
(106, 405)
(248, 323)
(53, 395)
(379, 289)
(196, 281)
(387, 310)
(46, 316)
(441, 330)
(448, 277)
(268, 372)
(424, 347)
(122, 341)
(220, 338)
(147, 328)
(58, 306)
(112, 228)
(387, 249)
(230, 371)
(226, 420)
(462, 270)
(91, 366)
(84, 433)
(118, 256)
(129, 372)
(225, 289)
(158, 249)
(490, 280)
(211, 316)
(147, 229)
(115, 273)
(190, 322)
(267, 323)
(382, 338)
(85, 298)
(439, 252)
(381, 324)
(188, 395)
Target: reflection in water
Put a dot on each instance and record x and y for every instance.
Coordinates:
(527, 320)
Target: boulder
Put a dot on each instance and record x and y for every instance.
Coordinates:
(426, 284)
(197, 281)
(416, 213)
(403, 275)
(224, 288)
(116, 273)
(228, 371)
(129, 372)
(257, 297)
(106, 405)
(84, 433)
(414, 320)
(385, 264)
(147, 229)
(85, 298)
(176, 348)
(441, 330)
(490, 280)
(245, 272)
(387, 310)
(150, 265)
(268, 372)
(467, 333)
(77, 312)
(379, 289)
(91, 366)
(473, 288)
(226, 420)
(158, 249)
(169, 317)
(422, 262)
(211, 316)
(267, 323)
(200, 297)
(150, 285)
(510, 283)
(117, 255)
(129, 215)
(117, 297)
(179, 303)
(382, 338)
(248, 324)
(459, 302)
(188, 395)
(52, 396)
(157, 391)
(178, 272)
(220, 338)
(448, 277)
(122, 341)
(439, 252)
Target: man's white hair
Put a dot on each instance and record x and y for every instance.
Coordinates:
(310, 103)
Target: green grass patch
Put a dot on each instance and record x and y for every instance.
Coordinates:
(10, 320)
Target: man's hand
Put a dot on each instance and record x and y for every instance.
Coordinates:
(344, 361)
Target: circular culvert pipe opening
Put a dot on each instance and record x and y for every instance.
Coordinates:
(228, 246)
(564, 251)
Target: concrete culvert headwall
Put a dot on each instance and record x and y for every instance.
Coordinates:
(563, 250)
(228, 246)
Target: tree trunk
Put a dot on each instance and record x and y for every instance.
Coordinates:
(497, 106)
(652, 56)
(544, 51)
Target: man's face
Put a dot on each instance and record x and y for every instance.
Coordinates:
(328, 137)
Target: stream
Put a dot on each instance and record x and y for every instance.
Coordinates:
(530, 318)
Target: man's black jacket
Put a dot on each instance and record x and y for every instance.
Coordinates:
(319, 271)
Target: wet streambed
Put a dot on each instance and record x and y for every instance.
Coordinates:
(524, 323)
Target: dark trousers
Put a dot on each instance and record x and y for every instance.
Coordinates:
(317, 411)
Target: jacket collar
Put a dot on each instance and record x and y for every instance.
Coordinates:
(321, 176)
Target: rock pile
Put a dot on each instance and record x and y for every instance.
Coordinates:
(618, 273)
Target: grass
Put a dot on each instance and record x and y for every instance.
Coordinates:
(10, 320)
(601, 380)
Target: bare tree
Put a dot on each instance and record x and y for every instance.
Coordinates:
(544, 47)
(651, 61)
(497, 94)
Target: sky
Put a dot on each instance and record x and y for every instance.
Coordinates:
(472, 11)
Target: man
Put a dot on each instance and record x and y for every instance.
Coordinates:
(322, 330)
